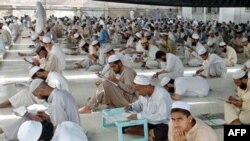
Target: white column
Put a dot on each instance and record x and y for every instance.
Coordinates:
(226, 14)
(187, 12)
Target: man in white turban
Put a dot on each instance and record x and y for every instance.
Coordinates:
(237, 108)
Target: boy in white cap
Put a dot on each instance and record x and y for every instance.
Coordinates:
(184, 127)
(228, 54)
(118, 93)
(246, 45)
(172, 66)
(154, 104)
(48, 61)
(95, 60)
(56, 50)
(185, 86)
(213, 65)
(236, 108)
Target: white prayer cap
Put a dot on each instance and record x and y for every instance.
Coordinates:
(108, 48)
(164, 34)
(147, 34)
(138, 35)
(76, 35)
(165, 81)
(1, 21)
(244, 39)
(222, 44)
(33, 71)
(239, 74)
(35, 84)
(82, 43)
(195, 36)
(247, 64)
(95, 42)
(34, 37)
(202, 51)
(181, 105)
(111, 28)
(142, 80)
(30, 131)
(113, 58)
(70, 131)
(46, 39)
(210, 43)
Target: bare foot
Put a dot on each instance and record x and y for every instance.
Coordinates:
(236, 122)
(5, 104)
(1, 131)
(85, 110)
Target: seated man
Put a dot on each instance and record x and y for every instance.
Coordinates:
(184, 127)
(213, 65)
(154, 105)
(63, 107)
(115, 91)
(171, 65)
(95, 60)
(185, 86)
(237, 109)
(229, 54)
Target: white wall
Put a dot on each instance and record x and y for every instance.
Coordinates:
(226, 14)
(187, 13)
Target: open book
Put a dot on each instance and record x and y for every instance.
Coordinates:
(215, 122)
(20, 111)
(105, 78)
(118, 117)
(28, 61)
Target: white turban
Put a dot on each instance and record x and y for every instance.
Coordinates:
(35, 84)
(239, 74)
(142, 80)
(46, 39)
(30, 131)
(195, 36)
(33, 71)
(165, 81)
(95, 42)
(222, 44)
(113, 58)
(202, 51)
(181, 105)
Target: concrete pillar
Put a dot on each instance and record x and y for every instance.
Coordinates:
(187, 13)
(227, 14)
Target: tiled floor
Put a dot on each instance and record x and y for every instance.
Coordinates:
(13, 68)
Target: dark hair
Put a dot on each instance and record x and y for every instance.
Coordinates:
(183, 111)
(171, 81)
(47, 132)
(40, 49)
(159, 54)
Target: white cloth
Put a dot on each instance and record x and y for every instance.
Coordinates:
(214, 66)
(69, 131)
(191, 86)
(230, 57)
(40, 18)
(57, 80)
(156, 108)
(63, 107)
(174, 67)
(58, 52)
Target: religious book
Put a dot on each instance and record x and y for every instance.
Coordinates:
(105, 78)
(28, 61)
(20, 111)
